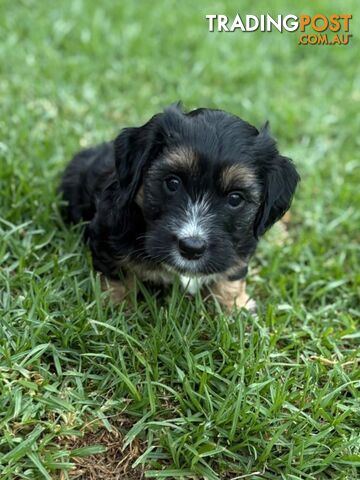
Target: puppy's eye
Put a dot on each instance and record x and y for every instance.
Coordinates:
(172, 183)
(235, 199)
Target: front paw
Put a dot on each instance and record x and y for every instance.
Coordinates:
(119, 290)
(232, 294)
(250, 306)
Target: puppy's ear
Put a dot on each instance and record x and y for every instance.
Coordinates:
(279, 187)
(134, 149)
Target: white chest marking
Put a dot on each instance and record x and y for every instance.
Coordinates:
(194, 284)
(191, 285)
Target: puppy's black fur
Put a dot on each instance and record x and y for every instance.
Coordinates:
(124, 189)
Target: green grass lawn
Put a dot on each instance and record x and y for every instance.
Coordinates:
(173, 388)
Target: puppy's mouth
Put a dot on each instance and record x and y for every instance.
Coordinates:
(191, 255)
(190, 268)
(192, 263)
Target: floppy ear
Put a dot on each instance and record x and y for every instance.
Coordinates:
(118, 220)
(279, 188)
(134, 148)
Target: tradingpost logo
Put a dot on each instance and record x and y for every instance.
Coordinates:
(314, 29)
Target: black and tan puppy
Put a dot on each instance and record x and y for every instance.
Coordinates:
(186, 195)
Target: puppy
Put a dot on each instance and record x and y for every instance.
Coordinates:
(186, 195)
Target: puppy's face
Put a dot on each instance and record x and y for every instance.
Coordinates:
(210, 185)
(200, 211)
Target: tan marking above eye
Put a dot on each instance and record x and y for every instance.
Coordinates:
(181, 157)
(237, 176)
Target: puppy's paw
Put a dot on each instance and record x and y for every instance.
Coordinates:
(119, 290)
(250, 306)
(116, 289)
(232, 295)
(244, 302)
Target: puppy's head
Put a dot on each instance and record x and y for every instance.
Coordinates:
(208, 185)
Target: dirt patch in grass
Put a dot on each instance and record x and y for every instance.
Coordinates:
(114, 463)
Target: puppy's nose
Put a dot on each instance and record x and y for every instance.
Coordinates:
(192, 248)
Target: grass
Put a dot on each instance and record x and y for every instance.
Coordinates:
(173, 388)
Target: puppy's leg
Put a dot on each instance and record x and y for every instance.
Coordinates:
(233, 294)
(119, 289)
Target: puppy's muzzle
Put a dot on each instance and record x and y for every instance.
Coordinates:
(192, 248)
